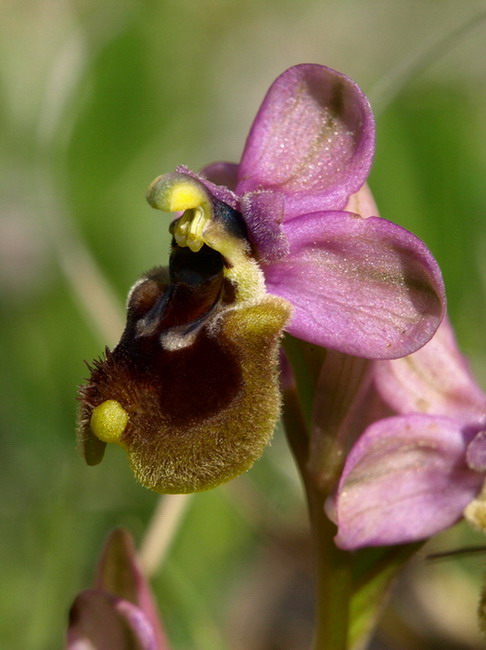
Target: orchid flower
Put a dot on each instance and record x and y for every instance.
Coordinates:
(191, 391)
(416, 468)
(119, 612)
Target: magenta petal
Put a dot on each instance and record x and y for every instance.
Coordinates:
(365, 287)
(263, 213)
(404, 480)
(434, 380)
(312, 139)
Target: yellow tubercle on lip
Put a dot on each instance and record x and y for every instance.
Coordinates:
(108, 421)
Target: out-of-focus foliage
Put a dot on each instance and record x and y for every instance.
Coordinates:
(96, 100)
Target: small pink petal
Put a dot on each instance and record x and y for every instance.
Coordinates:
(312, 139)
(363, 203)
(221, 173)
(434, 380)
(405, 479)
(366, 287)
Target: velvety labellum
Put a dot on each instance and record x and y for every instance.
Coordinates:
(195, 372)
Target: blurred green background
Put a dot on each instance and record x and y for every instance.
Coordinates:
(97, 98)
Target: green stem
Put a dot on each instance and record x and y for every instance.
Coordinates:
(333, 566)
(333, 576)
(351, 588)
